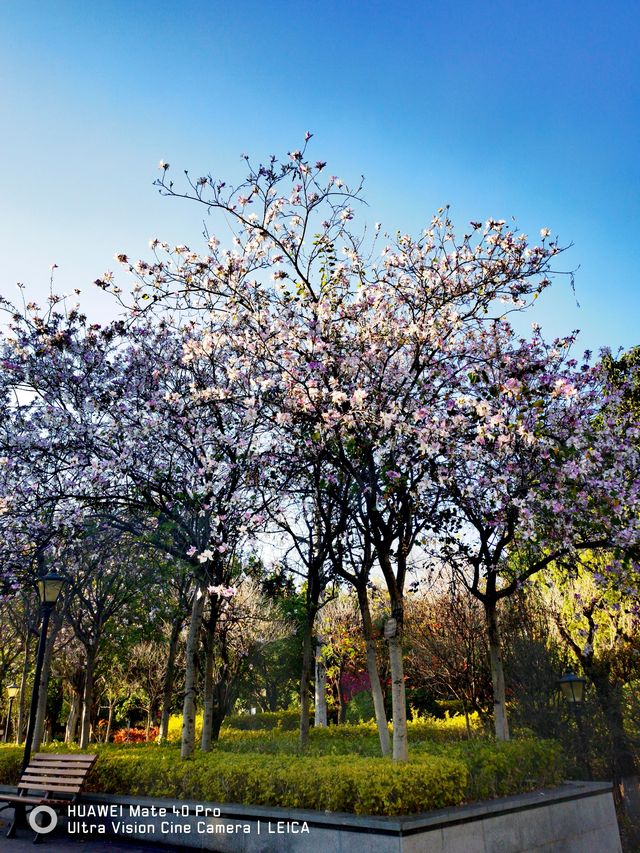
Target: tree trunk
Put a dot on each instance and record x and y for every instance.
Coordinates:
(320, 717)
(305, 678)
(342, 702)
(500, 722)
(107, 733)
(466, 719)
(169, 679)
(374, 673)
(72, 719)
(208, 702)
(38, 730)
(217, 719)
(20, 725)
(87, 697)
(189, 705)
(398, 700)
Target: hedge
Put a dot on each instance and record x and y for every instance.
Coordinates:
(288, 721)
(260, 730)
(348, 783)
(344, 784)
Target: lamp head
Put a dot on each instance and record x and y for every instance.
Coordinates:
(50, 586)
(572, 687)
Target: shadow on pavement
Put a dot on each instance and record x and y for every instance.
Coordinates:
(59, 841)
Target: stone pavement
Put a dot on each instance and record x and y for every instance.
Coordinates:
(58, 842)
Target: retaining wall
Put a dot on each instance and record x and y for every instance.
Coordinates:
(577, 817)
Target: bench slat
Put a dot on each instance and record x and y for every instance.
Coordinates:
(73, 759)
(29, 782)
(66, 789)
(51, 773)
(43, 757)
(66, 773)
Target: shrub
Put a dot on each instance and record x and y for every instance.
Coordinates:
(340, 771)
(135, 735)
(360, 709)
(287, 721)
(10, 761)
(345, 783)
(500, 769)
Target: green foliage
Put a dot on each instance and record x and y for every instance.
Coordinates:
(360, 709)
(345, 784)
(286, 721)
(274, 732)
(332, 778)
(10, 761)
(507, 767)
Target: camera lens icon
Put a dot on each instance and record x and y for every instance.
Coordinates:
(50, 819)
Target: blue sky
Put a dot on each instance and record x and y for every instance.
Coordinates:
(525, 110)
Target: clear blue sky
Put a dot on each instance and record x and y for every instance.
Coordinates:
(501, 109)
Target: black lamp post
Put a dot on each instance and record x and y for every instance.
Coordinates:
(12, 692)
(572, 688)
(49, 588)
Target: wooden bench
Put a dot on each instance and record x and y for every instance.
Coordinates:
(51, 779)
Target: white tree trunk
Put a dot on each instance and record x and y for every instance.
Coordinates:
(189, 705)
(374, 674)
(305, 679)
(398, 701)
(87, 701)
(320, 717)
(72, 719)
(378, 699)
(500, 722)
(107, 734)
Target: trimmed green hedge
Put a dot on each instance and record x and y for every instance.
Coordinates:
(436, 776)
(288, 721)
(344, 784)
(500, 769)
(278, 732)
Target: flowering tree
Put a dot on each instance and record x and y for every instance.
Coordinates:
(527, 475)
(149, 430)
(350, 351)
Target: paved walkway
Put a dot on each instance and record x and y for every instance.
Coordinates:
(60, 841)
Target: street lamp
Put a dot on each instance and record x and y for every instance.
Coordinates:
(49, 588)
(572, 688)
(12, 692)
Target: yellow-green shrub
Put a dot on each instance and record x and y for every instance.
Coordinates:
(10, 761)
(500, 769)
(263, 768)
(431, 728)
(345, 783)
(287, 721)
